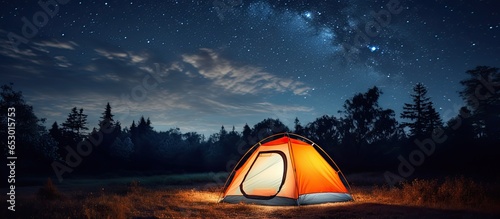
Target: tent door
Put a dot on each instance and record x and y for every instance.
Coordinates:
(266, 176)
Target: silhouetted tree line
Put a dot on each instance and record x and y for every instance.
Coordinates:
(364, 137)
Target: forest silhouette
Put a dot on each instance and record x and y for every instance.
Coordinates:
(365, 137)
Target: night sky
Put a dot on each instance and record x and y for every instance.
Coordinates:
(198, 65)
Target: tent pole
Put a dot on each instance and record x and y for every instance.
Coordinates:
(292, 160)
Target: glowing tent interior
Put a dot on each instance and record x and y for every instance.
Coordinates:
(286, 170)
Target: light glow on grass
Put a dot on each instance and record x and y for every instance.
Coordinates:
(419, 197)
(198, 196)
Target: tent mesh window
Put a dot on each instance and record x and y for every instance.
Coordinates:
(266, 164)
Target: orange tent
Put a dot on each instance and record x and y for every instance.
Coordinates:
(285, 171)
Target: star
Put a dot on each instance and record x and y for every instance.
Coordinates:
(308, 14)
(373, 48)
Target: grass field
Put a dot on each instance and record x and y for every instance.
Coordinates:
(196, 196)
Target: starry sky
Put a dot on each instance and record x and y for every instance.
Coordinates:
(197, 65)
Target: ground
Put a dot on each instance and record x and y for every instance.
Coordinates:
(196, 196)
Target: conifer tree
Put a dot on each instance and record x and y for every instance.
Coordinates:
(55, 132)
(434, 121)
(299, 129)
(107, 118)
(76, 124)
(424, 118)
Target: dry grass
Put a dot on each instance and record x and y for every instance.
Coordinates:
(454, 197)
(457, 193)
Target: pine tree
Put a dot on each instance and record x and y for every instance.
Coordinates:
(55, 132)
(75, 124)
(246, 131)
(144, 125)
(133, 126)
(299, 129)
(107, 118)
(221, 135)
(118, 128)
(424, 118)
(70, 125)
(434, 121)
(82, 122)
(133, 132)
(415, 111)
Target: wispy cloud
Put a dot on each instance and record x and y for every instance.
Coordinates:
(130, 57)
(111, 55)
(57, 44)
(62, 61)
(244, 79)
